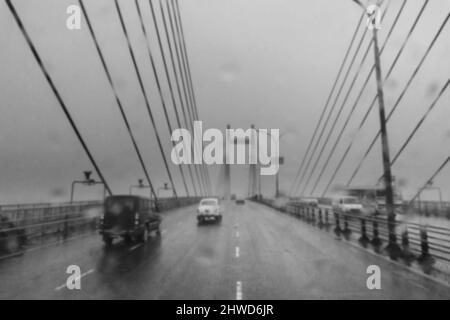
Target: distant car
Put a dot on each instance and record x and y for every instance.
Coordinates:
(240, 201)
(348, 205)
(209, 209)
(128, 217)
(310, 202)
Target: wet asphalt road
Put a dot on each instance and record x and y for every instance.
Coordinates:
(255, 253)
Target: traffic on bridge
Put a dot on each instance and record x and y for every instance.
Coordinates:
(217, 150)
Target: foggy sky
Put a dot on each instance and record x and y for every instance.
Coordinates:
(265, 62)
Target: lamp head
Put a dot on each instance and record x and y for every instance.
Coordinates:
(87, 175)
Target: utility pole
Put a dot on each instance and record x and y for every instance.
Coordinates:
(253, 151)
(227, 166)
(392, 247)
(277, 186)
(372, 23)
(277, 179)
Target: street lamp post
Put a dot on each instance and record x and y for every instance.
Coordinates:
(277, 182)
(166, 187)
(140, 185)
(393, 248)
(88, 181)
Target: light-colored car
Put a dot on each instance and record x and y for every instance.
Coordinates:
(348, 205)
(209, 209)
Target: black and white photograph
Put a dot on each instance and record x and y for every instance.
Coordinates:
(225, 154)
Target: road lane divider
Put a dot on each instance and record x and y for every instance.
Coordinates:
(237, 251)
(238, 290)
(135, 247)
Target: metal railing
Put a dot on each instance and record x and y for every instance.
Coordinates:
(28, 225)
(422, 243)
(25, 225)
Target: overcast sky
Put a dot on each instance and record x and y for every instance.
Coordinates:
(265, 62)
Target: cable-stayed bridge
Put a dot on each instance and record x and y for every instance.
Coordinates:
(321, 237)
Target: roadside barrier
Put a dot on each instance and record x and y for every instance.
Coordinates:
(425, 244)
(29, 225)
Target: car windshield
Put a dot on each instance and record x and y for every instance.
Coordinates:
(209, 202)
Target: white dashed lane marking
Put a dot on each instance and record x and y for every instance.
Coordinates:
(237, 251)
(239, 290)
(135, 247)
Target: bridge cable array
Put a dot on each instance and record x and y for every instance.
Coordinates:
(349, 67)
(175, 57)
(144, 93)
(118, 101)
(169, 82)
(202, 175)
(330, 112)
(413, 75)
(420, 122)
(408, 139)
(296, 181)
(155, 73)
(189, 75)
(391, 68)
(355, 104)
(343, 104)
(57, 94)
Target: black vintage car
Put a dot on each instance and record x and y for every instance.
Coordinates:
(129, 217)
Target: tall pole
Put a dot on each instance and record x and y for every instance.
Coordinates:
(72, 190)
(227, 165)
(277, 177)
(277, 185)
(392, 247)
